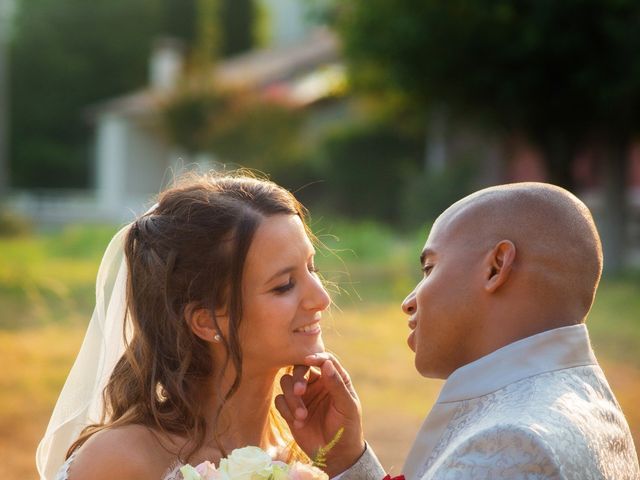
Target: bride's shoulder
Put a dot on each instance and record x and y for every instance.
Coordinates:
(126, 452)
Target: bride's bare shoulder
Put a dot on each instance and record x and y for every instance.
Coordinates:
(127, 452)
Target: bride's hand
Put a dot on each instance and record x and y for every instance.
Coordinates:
(318, 406)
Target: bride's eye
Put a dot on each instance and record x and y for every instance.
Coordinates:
(313, 269)
(284, 288)
(426, 269)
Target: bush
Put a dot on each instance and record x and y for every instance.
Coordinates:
(428, 194)
(236, 127)
(13, 225)
(355, 242)
(365, 166)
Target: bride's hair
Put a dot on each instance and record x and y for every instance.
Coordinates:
(187, 253)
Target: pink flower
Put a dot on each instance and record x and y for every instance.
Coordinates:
(304, 471)
(208, 471)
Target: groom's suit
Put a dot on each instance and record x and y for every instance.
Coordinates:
(537, 408)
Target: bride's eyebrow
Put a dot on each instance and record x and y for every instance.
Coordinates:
(281, 272)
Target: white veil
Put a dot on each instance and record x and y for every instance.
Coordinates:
(80, 402)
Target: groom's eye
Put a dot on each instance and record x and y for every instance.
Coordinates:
(426, 269)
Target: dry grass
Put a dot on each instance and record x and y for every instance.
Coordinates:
(46, 295)
(369, 341)
(34, 364)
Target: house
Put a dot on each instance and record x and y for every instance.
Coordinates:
(132, 158)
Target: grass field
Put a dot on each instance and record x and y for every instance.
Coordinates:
(46, 296)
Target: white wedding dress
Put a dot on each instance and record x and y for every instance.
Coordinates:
(173, 473)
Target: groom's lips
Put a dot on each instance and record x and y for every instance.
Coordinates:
(412, 322)
(411, 340)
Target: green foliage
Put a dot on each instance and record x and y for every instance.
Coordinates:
(561, 72)
(365, 166)
(236, 20)
(259, 133)
(191, 115)
(535, 64)
(427, 194)
(65, 56)
(355, 241)
(237, 127)
(80, 242)
(614, 320)
(50, 278)
(367, 261)
(69, 54)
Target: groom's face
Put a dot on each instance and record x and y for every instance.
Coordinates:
(443, 320)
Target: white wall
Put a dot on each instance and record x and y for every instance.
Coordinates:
(286, 21)
(132, 166)
(111, 152)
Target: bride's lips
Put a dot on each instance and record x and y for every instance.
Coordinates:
(312, 328)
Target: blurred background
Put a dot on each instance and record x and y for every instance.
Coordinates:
(377, 114)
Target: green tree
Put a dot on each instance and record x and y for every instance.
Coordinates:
(69, 54)
(237, 18)
(565, 73)
(66, 55)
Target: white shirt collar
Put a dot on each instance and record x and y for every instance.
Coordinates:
(555, 349)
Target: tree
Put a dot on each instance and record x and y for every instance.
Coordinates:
(237, 18)
(66, 55)
(566, 74)
(5, 16)
(69, 54)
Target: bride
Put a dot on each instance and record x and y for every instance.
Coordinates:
(201, 302)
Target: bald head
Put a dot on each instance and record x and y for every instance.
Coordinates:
(558, 248)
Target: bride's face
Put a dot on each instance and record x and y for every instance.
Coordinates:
(283, 297)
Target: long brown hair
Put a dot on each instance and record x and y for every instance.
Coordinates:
(187, 253)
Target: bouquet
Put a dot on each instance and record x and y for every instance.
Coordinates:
(253, 463)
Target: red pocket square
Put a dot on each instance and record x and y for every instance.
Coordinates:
(389, 477)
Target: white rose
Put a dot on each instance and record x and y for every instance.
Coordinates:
(248, 463)
(190, 473)
(280, 471)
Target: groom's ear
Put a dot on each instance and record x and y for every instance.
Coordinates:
(499, 263)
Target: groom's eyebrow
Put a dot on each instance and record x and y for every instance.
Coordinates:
(427, 252)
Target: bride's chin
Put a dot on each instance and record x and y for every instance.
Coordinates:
(300, 355)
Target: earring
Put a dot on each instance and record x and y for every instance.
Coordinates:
(217, 338)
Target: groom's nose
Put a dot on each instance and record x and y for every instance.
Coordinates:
(409, 304)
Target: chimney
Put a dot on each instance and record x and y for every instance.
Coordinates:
(165, 65)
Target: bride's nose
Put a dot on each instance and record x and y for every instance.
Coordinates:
(316, 297)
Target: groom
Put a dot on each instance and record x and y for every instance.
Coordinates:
(510, 274)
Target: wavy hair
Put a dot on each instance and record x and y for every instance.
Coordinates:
(188, 253)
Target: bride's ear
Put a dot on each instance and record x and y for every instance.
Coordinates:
(202, 323)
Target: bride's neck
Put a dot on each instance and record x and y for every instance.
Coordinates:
(244, 419)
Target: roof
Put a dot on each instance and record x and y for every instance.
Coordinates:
(256, 69)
